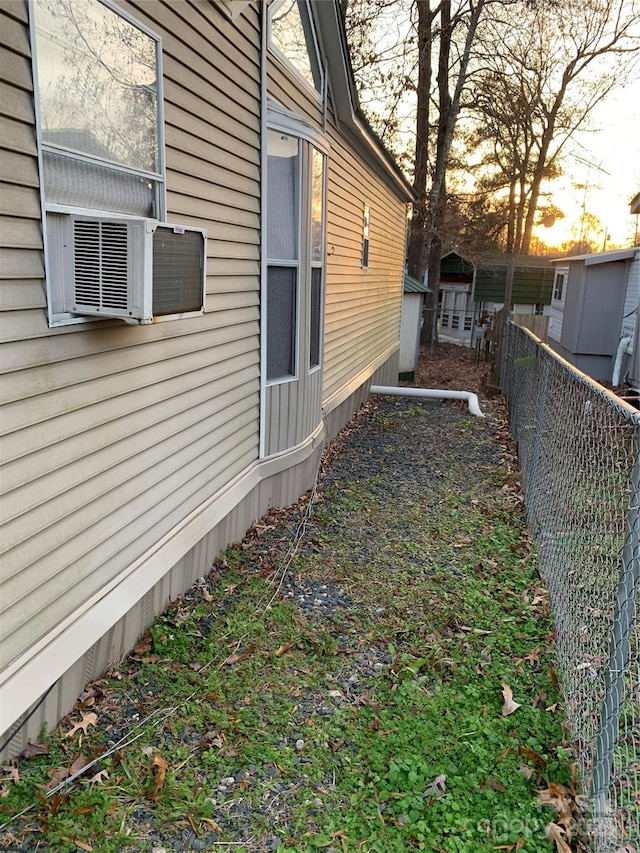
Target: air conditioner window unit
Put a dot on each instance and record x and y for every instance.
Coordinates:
(136, 269)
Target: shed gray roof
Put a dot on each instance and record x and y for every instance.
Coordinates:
(599, 257)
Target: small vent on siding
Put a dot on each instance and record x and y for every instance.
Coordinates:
(101, 264)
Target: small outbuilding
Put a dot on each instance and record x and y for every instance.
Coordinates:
(411, 323)
(597, 312)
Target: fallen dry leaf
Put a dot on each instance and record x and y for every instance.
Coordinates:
(509, 705)
(80, 844)
(554, 833)
(285, 647)
(34, 749)
(238, 656)
(13, 773)
(57, 774)
(142, 648)
(494, 785)
(210, 739)
(212, 823)
(437, 788)
(539, 700)
(79, 764)
(87, 720)
(560, 799)
(159, 770)
(207, 595)
(100, 777)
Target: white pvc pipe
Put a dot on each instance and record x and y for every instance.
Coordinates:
(432, 394)
(624, 343)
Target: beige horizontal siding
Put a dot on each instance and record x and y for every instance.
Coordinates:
(51, 600)
(21, 264)
(17, 167)
(114, 434)
(18, 137)
(15, 31)
(178, 358)
(238, 151)
(286, 89)
(15, 103)
(20, 233)
(362, 312)
(25, 200)
(193, 184)
(204, 210)
(180, 139)
(29, 295)
(82, 491)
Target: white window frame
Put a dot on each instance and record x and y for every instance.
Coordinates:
(57, 317)
(284, 60)
(322, 265)
(560, 284)
(295, 264)
(282, 120)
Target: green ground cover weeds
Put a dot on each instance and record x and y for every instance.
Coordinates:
(369, 670)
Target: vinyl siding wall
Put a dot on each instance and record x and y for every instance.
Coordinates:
(21, 262)
(112, 434)
(363, 307)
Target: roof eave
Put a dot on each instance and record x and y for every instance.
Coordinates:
(592, 259)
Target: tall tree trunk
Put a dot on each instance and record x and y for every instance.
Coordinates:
(449, 108)
(418, 231)
(437, 196)
(511, 232)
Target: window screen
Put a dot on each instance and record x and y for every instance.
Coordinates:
(282, 202)
(281, 321)
(315, 317)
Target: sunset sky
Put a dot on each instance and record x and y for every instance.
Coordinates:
(614, 147)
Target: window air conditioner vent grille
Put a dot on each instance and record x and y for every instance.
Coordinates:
(101, 264)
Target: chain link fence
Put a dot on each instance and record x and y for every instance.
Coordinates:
(579, 450)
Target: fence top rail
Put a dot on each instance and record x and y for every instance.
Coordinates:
(622, 405)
